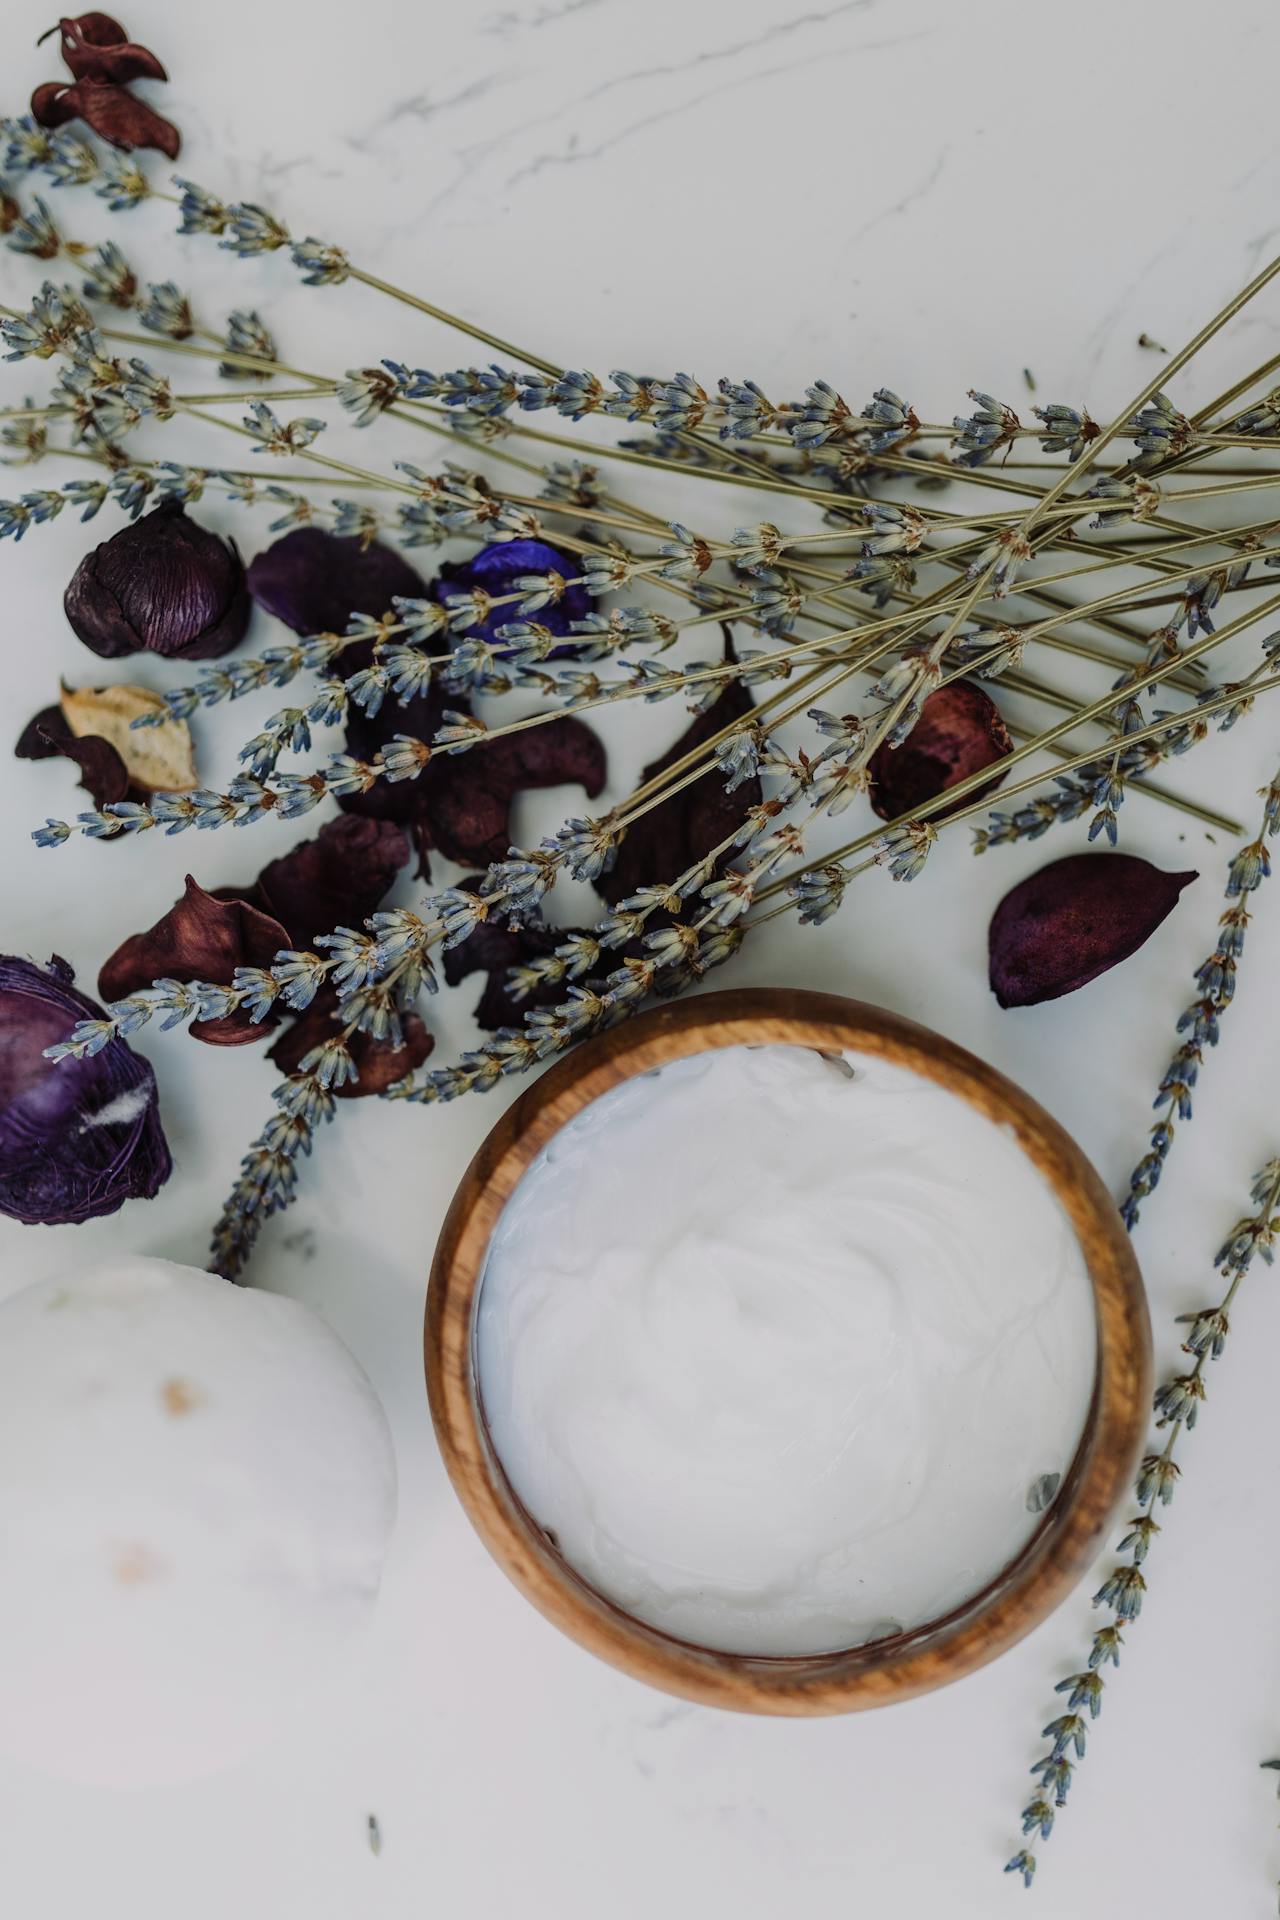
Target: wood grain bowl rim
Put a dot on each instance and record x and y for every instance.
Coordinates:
(910, 1663)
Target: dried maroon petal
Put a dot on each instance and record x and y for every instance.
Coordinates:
(54, 103)
(103, 774)
(43, 735)
(960, 731)
(314, 581)
(468, 799)
(114, 113)
(77, 1137)
(493, 948)
(683, 828)
(379, 1066)
(1072, 920)
(495, 569)
(164, 583)
(204, 936)
(96, 46)
(337, 879)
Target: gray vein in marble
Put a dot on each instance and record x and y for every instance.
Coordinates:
(572, 153)
(900, 206)
(510, 22)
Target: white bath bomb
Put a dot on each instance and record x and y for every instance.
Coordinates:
(197, 1488)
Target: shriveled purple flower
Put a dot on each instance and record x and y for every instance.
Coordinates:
(80, 1137)
(314, 581)
(495, 571)
(164, 584)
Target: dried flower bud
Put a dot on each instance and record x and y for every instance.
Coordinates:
(164, 583)
(1066, 924)
(960, 731)
(79, 1138)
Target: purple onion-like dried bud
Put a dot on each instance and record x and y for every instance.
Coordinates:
(1071, 921)
(77, 1137)
(164, 584)
(960, 731)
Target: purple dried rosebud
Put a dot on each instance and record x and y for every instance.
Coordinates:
(960, 731)
(164, 584)
(80, 1137)
(1065, 925)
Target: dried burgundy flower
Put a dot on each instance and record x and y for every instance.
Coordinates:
(960, 731)
(1065, 925)
(469, 795)
(78, 1137)
(495, 570)
(164, 583)
(379, 1066)
(676, 834)
(493, 948)
(103, 773)
(103, 60)
(96, 47)
(337, 879)
(115, 115)
(204, 936)
(314, 581)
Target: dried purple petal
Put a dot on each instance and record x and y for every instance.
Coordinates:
(204, 936)
(1066, 924)
(314, 581)
(960, 731)
(80, 1137)
(164, 583)
(676, 834)
(495, 569)
(378, 1066)
(337, 879)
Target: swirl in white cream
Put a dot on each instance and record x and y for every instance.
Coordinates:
(776, 1346)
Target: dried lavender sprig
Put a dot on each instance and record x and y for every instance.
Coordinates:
(1216, 980)
(1176, 1404)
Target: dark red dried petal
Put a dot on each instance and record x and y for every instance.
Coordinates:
(97, 47)
(1072, 920)
(204, 936)
(960, 731)
(337, 879)
(314, 581)
(378, 1066)
(492, 948)
(120, 118)
(468, 797)
(103, 774)
(54, 103)
(683, 828)
(42, 737)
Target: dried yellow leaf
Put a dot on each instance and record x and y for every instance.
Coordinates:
(159, 759)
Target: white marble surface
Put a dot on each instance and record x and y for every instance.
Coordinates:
(900, 191)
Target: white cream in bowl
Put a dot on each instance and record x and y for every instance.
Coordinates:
(785, 1352)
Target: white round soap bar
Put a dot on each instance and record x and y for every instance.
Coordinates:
(197, 1487)
(785, 1351)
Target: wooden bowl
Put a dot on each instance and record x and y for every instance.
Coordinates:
(910, 1662)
